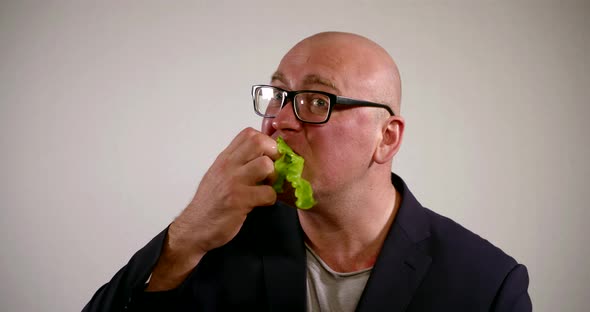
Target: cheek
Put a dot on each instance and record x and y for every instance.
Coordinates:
(346, 146)
(335, 164)
(352, 137)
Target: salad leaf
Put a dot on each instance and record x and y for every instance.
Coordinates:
(289, 167)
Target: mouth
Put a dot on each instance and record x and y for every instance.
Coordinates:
(289, 140)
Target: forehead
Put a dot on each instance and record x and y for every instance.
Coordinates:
(307, 66)
(308, 80)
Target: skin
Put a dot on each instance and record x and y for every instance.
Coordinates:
(347, 161)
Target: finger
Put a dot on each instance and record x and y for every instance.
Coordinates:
(261, 195)
(257, 170)
(239, 139)
(272, 178)
(254, 146)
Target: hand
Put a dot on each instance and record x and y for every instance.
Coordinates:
(230, 189)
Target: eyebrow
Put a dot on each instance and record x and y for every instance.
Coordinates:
(308, 80)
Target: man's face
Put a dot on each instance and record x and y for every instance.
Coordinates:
(338, 153)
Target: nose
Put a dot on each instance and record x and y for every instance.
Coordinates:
(286, 119)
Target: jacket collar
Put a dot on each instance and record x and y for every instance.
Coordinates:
(401, 264)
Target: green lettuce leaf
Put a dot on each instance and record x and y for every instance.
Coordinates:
(289, 167)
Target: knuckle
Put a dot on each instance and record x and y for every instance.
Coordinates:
(249, 132)
(244, 135)
(220, 165)
(230, 195)
(231, 199)
(258, 139)
(268, 165)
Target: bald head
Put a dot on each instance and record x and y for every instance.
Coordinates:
(352, 65)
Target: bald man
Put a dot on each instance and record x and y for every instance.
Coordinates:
(366, 245)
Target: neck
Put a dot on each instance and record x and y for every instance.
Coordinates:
(347, 232)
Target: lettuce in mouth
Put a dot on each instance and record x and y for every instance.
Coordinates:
(289, 167)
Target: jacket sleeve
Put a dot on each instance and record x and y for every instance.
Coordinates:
(128, 284)
(513, 294)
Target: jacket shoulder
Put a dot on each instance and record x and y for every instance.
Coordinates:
(463, 263)
(450, 241)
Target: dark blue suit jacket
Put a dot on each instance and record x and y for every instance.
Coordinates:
(427, 263)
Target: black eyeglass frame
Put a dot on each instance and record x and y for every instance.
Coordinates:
(334, 100)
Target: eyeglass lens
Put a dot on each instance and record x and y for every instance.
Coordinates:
(309, 106)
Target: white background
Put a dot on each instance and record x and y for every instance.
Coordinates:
(111, 112)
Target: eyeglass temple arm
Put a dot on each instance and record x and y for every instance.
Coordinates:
(353, 102)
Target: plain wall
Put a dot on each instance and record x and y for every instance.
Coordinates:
(111, 112)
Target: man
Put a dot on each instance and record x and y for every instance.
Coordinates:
(367, 244)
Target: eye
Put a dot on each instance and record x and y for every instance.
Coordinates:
(319, 103)
(278, 96)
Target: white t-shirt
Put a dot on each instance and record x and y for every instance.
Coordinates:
(328, 290)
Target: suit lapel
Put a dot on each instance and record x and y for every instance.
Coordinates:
(283, 258)
(401, 264)
(395, 277)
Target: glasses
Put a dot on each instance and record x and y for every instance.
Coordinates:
(309, 106)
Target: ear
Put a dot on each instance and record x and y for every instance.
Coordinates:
(391, 139)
